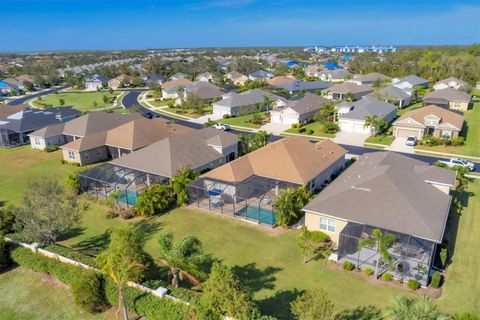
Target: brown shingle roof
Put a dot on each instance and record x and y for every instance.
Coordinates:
(280, 80)
(294, 160)
(445, 115)
(8, 110)
(449, 94)
(309, 102)
(95, 122)
(175, 83)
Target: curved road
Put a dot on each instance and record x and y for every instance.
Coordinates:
(24, 99)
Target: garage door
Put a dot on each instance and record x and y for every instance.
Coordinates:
(404, 133)
(346, 126)
(358, 128)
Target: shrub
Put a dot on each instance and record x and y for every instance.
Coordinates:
(302, 129)
(52, 148)
(309, 131)
(413, 284)
(88, 292)
(331, 127)
(226, 116)
(75, 164)
(387, 277)
(368, 271)
(4, 255)
(7, 220)
(458, 141)
(72, 184)
(348, 266)
(444, 255)
(436, 280)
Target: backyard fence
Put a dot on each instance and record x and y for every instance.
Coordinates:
(159, 292)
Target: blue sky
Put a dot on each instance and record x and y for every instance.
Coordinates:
(122, 24)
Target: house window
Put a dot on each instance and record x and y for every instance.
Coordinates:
(71, 155)
(447, 134)
(327, 224)
(457, 105)
(37, 141)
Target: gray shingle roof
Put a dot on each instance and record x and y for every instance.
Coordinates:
(389, 191)
(392, 92)
(449, 94)
(299, 85)
(307, 103)
(246, 98)
(369, 106)
(414, 80)
(29, 119)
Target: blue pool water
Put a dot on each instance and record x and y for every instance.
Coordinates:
(128, 196)
(254, 213)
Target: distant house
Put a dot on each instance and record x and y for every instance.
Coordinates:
(6, 88)
(236, 77)
(430, 120)
(393, 95)
(260, 75)
(205, 77)
(88, 124)
(200, 89)
(15, 128)
(119, 141)
(348, 90)
(301, 85)
(178, 76)
(170, 88)
(298, 111)
(450, 98)
(248, 187)
(280, 80)
(331, 66)
(369, 78)
(451, 82)
(409, 82)
(392, 192)
(96, 82)
(234, 104)
(353, 118)
(153, 78)
(312, 70)
(337, 75)
(115, 83)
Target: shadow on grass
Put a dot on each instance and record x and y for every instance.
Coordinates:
(94, 245)
(72, 233)
(148, 227)
(278, 305)
(255, 279)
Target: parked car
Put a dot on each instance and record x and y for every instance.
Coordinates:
(454, 162)
(411, 141)
(222, 126)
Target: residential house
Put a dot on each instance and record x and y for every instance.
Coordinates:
(119, 82)
(300, 110)
(409, 82)
(280, 80)
(153, 78)
(450, 82)
(430, 120)
(205, 77)
(311, 70)
(234, 104)
(205, 90)
(369, 78)
(178, 76)
(450, 98)
(96, 82)
(88, 124)
(119, 141)
(354, 119)
(394, 193)
(304, 86)
(248, 187)
(347, 90)
(6, 88)
(335, 75)
(171, 88)
(15, 128)
(393, 95)
(236, 77)
(260, 75)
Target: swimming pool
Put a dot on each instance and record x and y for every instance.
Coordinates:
(262, 215)
(128, 197)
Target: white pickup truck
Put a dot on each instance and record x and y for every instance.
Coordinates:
(454, 162)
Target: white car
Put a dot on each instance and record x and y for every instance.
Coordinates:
(411, 141)
(454, 162)
(222, 126)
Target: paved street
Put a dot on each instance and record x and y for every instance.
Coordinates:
(25, 98)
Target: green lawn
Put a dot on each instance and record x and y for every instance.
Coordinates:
(244, 121)
(28, 295)
(381, 139)
(409, 108)
(83, 101)
(317, 128)
(471, 132)
(160, 103)
(190, 112)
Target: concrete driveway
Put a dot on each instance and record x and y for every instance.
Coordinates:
(275, 128)
(399, 145)
(350, 138)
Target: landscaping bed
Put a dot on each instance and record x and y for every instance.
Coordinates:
(254, 120)
(82, 101)
(312, 129)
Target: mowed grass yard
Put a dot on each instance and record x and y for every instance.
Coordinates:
(269, 263)
(244, 121)
(82, 101)
(316, 127)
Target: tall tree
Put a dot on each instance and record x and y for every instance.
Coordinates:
(288, 205)
(380, 242)
(123, 261)
(326, 114)
(423, 307)
(313, 305)
(179, 184)
(184, 259)
(47, 212)
(310, 241)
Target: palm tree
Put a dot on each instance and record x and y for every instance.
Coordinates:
(184, 258)
(179, 184)
(423, 307)
(288, 206)
(310, 241)
(153, 199)
(123, 261)
(373, 123)
(267, 102)
(381, 242)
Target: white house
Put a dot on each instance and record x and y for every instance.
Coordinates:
(298, 111)
(96, 82)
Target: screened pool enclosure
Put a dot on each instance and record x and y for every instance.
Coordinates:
(108, 179)
(251, 199)
(412, 256)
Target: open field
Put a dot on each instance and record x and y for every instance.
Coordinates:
(83, 101)
(269, 263)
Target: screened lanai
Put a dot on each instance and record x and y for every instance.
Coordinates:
(412, 256)
(103, 180)
(251, 199)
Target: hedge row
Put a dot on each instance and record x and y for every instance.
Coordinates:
(143, 304)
